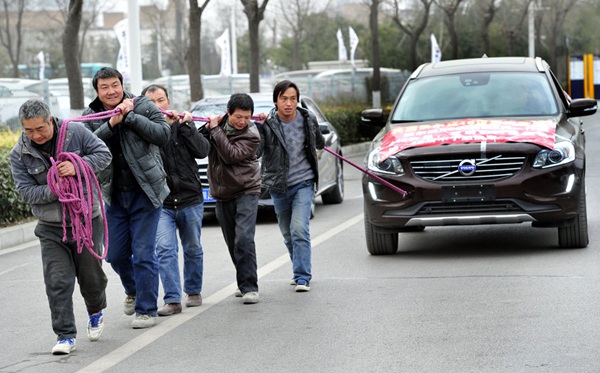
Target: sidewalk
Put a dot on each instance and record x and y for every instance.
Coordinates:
(21, 236)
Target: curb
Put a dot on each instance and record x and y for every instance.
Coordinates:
(354, 149)
(21, 236)
(18, 235)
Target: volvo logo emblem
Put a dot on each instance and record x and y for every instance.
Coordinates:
(467, 167)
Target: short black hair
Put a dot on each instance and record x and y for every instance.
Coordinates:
(104, 73)
(240, 101)
(282, 86)
(153, 88)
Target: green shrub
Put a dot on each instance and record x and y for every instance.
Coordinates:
(12, 208)
(346, 119)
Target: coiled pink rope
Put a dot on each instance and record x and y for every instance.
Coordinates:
(71, 190)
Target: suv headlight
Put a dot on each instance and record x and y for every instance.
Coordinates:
(390, 166)
(563, 152)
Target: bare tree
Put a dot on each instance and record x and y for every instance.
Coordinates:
(295, 13)
(488, 11)
(511, 29)
(415, 29)
(255, 14)
(450, 7)
(11, 37)
(70, 47)
(194, 52)
(557, 14)
(88, 18)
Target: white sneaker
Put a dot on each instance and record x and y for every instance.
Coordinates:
(64, 346)
(250, 297)
(143, 321)
(238, 293)
(302, 286)
(95, 326)
(129, 305)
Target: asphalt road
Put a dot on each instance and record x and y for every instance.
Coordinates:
(454, 299)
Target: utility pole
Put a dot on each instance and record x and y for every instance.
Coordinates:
(135, 53)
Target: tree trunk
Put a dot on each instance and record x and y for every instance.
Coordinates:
(70, 47)
(193, 52)
(255, 14)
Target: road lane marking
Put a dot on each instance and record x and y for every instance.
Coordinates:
(152, 334)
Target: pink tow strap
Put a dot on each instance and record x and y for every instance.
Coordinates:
(71, 191)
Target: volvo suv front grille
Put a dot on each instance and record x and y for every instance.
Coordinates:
(466, 168)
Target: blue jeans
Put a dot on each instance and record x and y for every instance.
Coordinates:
(132, 222)
(293, 214)
(237, 219)
(189, 223)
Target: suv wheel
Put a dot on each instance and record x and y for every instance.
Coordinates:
(575, 236)
(336, 194)
(379, 243)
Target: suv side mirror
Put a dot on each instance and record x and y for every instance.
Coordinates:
(582, 107)
(372, 117)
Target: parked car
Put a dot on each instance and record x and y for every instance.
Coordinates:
(478, 141)
(331, 171)
(13, 93)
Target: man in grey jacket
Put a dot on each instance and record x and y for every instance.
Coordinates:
(30, 162)
(134, 188)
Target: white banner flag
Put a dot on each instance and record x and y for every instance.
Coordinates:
(436, 52)
(342, 53)
(222, 43)
(42, 65)
(353, 44)
(123, 64)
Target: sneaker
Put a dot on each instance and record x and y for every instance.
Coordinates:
(194, 300)
(250, 297)
(302, 286)
(238, 293)
(129, 305)
(169, 309)
(95, 326)
(64, 346)
(293, 282)
(143, 321)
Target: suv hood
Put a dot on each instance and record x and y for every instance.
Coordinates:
(462, 131)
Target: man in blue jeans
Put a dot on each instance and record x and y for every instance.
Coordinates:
(134, 187)
(182, 209)
(290, 137)
(234, 176)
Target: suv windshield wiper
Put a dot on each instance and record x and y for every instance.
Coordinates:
(405, 121)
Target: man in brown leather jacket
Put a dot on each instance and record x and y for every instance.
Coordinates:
(234, 178)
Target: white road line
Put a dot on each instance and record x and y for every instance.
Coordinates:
(123, 352)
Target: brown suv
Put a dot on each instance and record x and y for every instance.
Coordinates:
(478, 141)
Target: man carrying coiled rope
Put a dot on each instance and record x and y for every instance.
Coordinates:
(35, 157)
(133, 187)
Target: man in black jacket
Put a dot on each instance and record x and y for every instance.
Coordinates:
(290, 137)
(182, 209)
(134, 187)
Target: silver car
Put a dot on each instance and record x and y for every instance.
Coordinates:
(331, 171)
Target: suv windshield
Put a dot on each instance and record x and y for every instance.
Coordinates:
(476, 95)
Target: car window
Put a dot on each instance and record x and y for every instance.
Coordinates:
(310, 105)
(476, 95)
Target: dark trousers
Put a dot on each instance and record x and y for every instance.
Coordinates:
(237, 218)
(62, 265)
